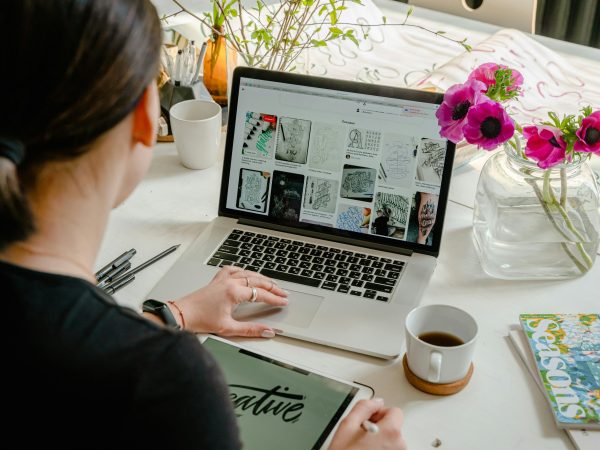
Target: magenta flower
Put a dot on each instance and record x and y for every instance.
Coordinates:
(486, 73)
(545, 144)
(453, 111)
(589, 134)
(488, 125)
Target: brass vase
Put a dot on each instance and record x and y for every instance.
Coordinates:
(219, 61)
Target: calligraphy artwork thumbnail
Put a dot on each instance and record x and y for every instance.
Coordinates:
(398, 160)
(326, 150)
(358, 183)
(320, 194)
(286, 196)
(292, 140)
(253, 190)
(430, 166)
(259, 134)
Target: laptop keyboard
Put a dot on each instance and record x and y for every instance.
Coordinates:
(319, 266)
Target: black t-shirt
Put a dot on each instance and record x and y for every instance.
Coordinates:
(84, 372)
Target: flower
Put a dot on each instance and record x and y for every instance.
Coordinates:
(545, 144)
(589, 134)
(487, 74)
(452, 113)
(488, 125)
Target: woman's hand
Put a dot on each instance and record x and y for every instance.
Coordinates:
(209, 309)
(352, 436)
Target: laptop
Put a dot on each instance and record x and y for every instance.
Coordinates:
(335, 189)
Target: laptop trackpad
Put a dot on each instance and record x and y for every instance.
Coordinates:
(299, 312)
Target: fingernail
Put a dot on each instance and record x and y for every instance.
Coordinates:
(286, 292)
(378, 400)
(268, 334)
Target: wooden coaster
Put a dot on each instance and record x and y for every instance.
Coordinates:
(433, 388)
(167, 138)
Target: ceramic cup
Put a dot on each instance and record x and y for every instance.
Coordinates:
(196, 126)
(450, 359)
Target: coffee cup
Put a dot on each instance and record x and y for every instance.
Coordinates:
(196, 126)
(440, 340)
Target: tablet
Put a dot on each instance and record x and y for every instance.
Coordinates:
(280, 405)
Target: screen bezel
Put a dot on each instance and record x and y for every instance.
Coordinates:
(362, 391)
(324, 232)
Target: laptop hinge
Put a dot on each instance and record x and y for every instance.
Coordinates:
(327, 237)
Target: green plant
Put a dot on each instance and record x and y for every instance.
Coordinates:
(274, 36)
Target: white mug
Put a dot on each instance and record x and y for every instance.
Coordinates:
(196, 126)
(436, 363)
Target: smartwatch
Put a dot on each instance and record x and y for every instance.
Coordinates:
(161, 310)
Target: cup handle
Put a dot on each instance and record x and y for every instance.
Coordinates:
(435, 367)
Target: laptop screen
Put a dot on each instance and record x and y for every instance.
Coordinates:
(339, 158)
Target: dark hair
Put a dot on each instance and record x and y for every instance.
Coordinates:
(72, 70)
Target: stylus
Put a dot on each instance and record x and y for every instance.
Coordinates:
(370, 426)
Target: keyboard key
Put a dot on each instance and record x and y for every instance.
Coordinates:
(316, 252)
(335, 250)
(307, 273)
(357, 283)
(304, 265)
(394, 275)
(270, 251)
(281, 268)
(285, 241)
(226, 263)
(305, 258)
(317, 267)
(364, 262)
(280, 260)
(340, 257)
(345, 280)
(232, 243)
(257, 262)
(379, 287)
(318, 275)
(294, 255)
(377, 264)
(257, 241)
(342, 272)
(304, 250)
(329, 285)
(272, 238)
(318, 260)
(292, 262)
(237, 264)
(369, 294)
(246, 260)
(292, 248)
(322, 248)
(269, 244)
(307, 245)
(259, 248)
(355, 267)
(246, 246)
(244, 253)
(256, 255)
(262, 236)
(213, 262)
(348, 253)
(245, 238)
(352, 260)
(295, 270)
(280, 245)
(360, 255)
(343, 288)
(380, 272)
(367, 277)
(368, 270)
(385, 260)
(236, 231)
(331, 277)
(331, 262)
(328, 255)
(227, 256)
(249, 233)
(253, 268)
(393, 267)
(270, 265)
(386, 281)
(298, 243)
(307, 281)
(343, 265)
(267, 258)
(357, 293)
(281, 252)
(383, 298)
(329, 269)
(372, 258)
(354, 274)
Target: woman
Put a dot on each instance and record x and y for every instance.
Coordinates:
(77, 126)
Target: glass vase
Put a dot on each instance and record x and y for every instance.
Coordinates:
(531, 223)
(219, 62)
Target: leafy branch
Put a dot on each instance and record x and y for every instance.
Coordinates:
(274, 36)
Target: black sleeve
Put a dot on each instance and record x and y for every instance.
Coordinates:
(183, 400)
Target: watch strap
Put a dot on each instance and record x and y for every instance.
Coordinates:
(161, 310)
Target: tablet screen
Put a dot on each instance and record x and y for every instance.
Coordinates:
(278, 405)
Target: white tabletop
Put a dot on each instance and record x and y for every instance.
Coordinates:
(501, 408)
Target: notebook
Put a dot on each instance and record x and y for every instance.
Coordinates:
(338, 191)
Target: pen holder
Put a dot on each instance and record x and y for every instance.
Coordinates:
(170, 94)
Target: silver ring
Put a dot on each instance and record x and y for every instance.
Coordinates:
(254, 295)
(247, 282)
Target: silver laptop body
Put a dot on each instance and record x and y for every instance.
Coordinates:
(338, 191)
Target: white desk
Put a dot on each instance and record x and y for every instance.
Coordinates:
(501, 408)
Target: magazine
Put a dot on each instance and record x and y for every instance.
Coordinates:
(566, 350)
(581, 439)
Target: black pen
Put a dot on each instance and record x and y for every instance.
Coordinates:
(143, 265)
(115, 263)
(114, 273)
(119, 284)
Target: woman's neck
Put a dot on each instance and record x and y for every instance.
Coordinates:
(70, 219)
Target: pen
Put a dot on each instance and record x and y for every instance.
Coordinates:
(200, 62)
(178, 67)
(370, 426)
(113, 274)
(143, 265)
(115, 263)
(118, 285)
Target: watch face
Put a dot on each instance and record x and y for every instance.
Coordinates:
(153, 305)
